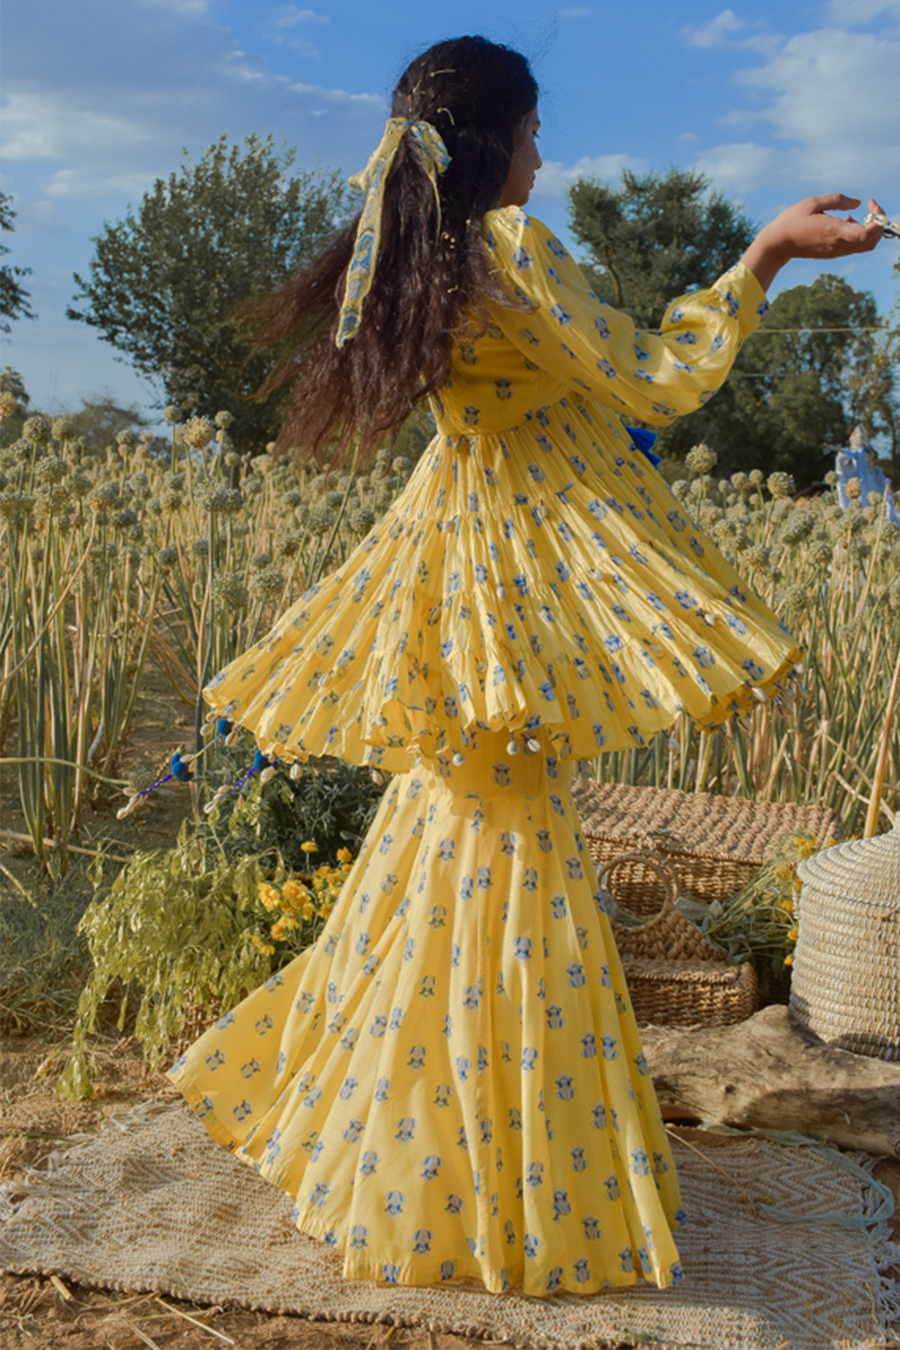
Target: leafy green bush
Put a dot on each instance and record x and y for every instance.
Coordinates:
(191, 930)
(178, 926)
(330, 804)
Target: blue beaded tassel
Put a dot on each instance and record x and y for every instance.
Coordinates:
(180, 769)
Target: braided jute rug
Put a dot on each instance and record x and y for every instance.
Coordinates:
(787, 1247)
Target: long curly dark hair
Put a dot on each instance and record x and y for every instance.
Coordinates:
(433, 272)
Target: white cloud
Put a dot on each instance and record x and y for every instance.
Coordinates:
(105, 136)
(861, 11)
(58, 126)
(339, 97)
(721, 29)
(81, 183)
(554, 178)
(286, 20)
(740, 168)
(291, 14)
(831, 99)
(832, 87)
(727, 30)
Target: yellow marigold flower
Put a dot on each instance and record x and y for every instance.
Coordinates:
(293, 893)
(268, 895)
(784, 871)
(308, 911)
(309, 847)
(788, 960)
(793, 934)
(787, 905)
(282, 926)
(344, 855)
(265, 947)
(326, 909)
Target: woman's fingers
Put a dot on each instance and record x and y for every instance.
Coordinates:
(850, 236)
(834, 201)
(808, 230)
(818, 234)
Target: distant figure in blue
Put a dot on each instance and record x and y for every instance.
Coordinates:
(861, 463)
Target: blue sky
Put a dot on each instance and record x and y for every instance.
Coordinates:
(772, 101)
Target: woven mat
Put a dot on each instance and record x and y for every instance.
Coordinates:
(727, 827)
(152, 1205)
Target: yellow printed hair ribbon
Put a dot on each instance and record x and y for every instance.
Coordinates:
(371, 181)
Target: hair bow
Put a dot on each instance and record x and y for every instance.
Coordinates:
(371, 181)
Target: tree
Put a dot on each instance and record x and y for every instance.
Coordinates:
(99, 419)
(13, 297)
(872, 379)
(802, 381)
(653, 238)
(165, 281)
(798, 387)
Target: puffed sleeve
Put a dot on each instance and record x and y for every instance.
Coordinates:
(588, 345)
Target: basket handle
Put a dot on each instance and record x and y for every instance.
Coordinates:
(662, 866)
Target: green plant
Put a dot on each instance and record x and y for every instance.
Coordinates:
(329, 805)
(191, 930)
(166, 279)
(116, 562)
(758, 923)
(177, 929)
(74, 628)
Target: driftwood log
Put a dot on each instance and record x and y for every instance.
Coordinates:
(768, 1073)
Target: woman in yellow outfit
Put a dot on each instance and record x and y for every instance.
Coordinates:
(450, 1081)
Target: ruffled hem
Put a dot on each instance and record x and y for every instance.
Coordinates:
(509, 593)
(468, 1270)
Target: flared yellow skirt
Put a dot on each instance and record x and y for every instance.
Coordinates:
(450, 1083)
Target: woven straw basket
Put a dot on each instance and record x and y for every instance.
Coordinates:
(716, 843)
(674, 976)
(846, 980)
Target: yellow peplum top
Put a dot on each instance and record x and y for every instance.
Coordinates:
(536, 572)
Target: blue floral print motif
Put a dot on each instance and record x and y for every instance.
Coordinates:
(394, 1204)
(512, 613)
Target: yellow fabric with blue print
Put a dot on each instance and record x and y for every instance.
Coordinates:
(536, 571)
(450, 1083)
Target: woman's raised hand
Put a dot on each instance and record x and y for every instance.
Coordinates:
(806, 230)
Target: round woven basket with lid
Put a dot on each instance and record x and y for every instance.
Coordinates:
(846, 980)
